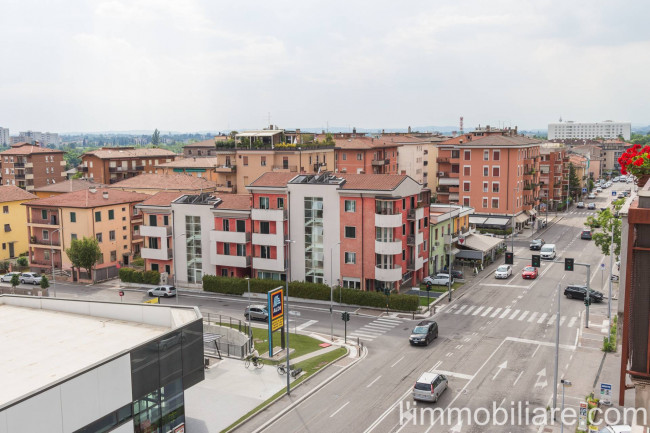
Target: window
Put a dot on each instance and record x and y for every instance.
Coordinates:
(46, 255)
(264, 203)
(466, 201)
(265, 227)
(98, 236)
(358, 157)
(403, 229)
(166, 220)
(280, 202)
(344, 156)
(350, 258)
(73, 217)
(350, 232)
(241, 226)
(466, 186)
(5, 209)
(245, 161)
(111, 214)
(485, 202)
(495, 203)
(467, 170)
(101, 259)
(263, 161)
(496, 155)
(98, 216)
(111, 237)
(43, 214)
(7, 227)
(486, 155)
(46, 234)
(495, 171)
(486, 171)
(226, 249)
(350, 206)
(73, 236)
(265, 252)
(467, 155)
(226, 225)
(485, 187)
(241, 250)
(113, 256)
(426, 222)
(495, 186)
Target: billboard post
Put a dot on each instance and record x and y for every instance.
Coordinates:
(275, 305)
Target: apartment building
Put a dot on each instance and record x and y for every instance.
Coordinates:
(368, 232)
(5, 139)
(200, 149)
(29, 166)
(552, 176)
(232, 235)
(413, 157)
(13, 221)
(107, 215)
(154, 183)
(607, 129)
(446, 220)
(580, 164)
(497, 174)
(611, 151)
(208, 167)
(70, 185)
(366, 155)
(113, 164)
(42, 138)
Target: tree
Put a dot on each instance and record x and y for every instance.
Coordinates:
(15, 280)
(574, 182)
(608, 222)
(329, 139)
(84, 253)
(155, 138)
(45, 283)
(590, 185)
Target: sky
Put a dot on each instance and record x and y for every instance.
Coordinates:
(195, 65)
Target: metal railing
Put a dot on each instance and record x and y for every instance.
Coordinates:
(225, 348)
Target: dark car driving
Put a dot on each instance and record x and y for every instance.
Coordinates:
(536, 244)
(424, 333)
(579, 292)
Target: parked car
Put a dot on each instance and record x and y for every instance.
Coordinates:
(580, 205)
(591, 206)
(162, 291)
(591, 196)
(616, 429)
(30, 278)
(456, 274)
(529, 273)
(503, 271)
(599, 189)
(424, 333)
(438, 280)
(6, 278)
(586, 234)
(548, 252)
(536, 244)
(430, 386)
(256, 312)
(580, 292)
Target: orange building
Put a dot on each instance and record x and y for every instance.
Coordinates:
(552, 176)
(366, 155)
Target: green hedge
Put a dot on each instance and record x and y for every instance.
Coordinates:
(315, 291)
(130, 275)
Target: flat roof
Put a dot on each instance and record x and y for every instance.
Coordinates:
(78, 335)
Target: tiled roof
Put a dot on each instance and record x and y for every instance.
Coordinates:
(235, 201)
(129, 152)
(502, 141)
(273, 179)
(204, 143)
(172, 182)
(13, 193)
(69, 186)
(87, 199)
(27, 149)
(162, 198)
(381, 182)
(192, 162)
(366, 142)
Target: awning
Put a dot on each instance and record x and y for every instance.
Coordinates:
(531, 212)
(476, 220)
(521, 218)
(497, 221)
(481, 242)
(448, 181)
(470, 254)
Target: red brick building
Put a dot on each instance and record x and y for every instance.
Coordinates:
(113, 164)
(30, 166)
(552, 174)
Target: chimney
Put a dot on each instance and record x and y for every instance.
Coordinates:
(515, 130)
(298, 136)
(354, 130)
(105, 195)
(92, 190)
(487, 127)
(409, 129)
(383, 131)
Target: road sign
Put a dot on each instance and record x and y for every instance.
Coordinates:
(584, 190)
(613, 193)
(121, 293)
(602, 265)
(606, 393)
(582, 418)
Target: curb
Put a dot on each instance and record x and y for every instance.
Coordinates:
(304, 397)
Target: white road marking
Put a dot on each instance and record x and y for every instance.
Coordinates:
(362, 338)
(541, 343)
(364, 334)
(397, 362)
(523, 315)
(501, 285)
(497, 311)
(532, 317)
(478, 310)
(462, 307)
(449, 354)
(515, 382)
(458, 375)
(487, 310)
(378, 326)
(469, 309)
(541, 319)
(306, 324)
(391, 321)
(436, 365)
(536, 349)
(371, 383)
(551, 320)
(466, 339)
(572, 321)
(562, 319)
(499, 368)
(514, 314)
(505, 313)
(339, 409)
(459, 346)
(449, 308)
(502, 401)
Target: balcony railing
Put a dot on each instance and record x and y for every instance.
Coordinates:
(380, 162)
(290, 168)
(35, 241)
(442, 160)
(52, 222)
(19, 165)
(410, 240)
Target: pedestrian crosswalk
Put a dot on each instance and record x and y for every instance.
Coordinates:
(509, 314)
(376, 328)
(586, 212)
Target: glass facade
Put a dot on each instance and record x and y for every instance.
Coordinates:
(194, 252)
(314, 250)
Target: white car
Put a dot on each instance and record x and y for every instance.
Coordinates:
(599, 189)
(591, 196)
(6, 278)
(503, 271)
(31, 278)
(438, 280)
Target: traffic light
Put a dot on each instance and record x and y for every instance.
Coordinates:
(510, 257)
(568, 264)
(588, 301)
(345, 316)
(537, 261)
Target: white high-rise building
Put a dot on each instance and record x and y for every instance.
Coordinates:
(588, 130)
(5, 140)
(44, 138)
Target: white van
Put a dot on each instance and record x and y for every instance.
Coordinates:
(548, 251)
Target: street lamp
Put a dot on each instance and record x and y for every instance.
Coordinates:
(286, 306)
(514, 209)
(250, 331)
(565, 383)
(52, 257)
(332, 292)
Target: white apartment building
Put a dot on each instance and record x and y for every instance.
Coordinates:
(45, 138)
(5, 140)
(607, 129)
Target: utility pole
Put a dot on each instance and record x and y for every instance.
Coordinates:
(557, 349)
(611, 272)
(588, 296)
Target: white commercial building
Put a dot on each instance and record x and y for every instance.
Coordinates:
(588, 130)
(44, 138)
(72, 366)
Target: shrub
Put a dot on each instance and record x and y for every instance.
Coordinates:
(138, 261)
(22, 261)
(4, 266)
(130, 275)
(151, 277)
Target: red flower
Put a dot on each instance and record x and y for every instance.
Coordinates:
(638, 162)
(636, 146)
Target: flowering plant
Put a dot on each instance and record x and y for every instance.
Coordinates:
(636, 161)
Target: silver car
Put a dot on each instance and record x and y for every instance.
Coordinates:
(6, 278)
(162, 291)
(256, 312)
(429, 387)
(31, 278)
(438, 280)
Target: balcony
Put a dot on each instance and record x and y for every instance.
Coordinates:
(380, 162)
(226, 188)
(527, 206)
(442, 160)
(42, 263)
(136, 218)
(454, 175)
(268, 264)
(52, 222)
(285, 168)
(415, 214)
(442, 174)
(442, 189)
(388, 247)
(410, 241)
(275, 239)
(157, 253)
(156, 231)
(136, 238)
(454, 189)
(44, 242)
(225, 168)
(388, 220)
(230, 237)
(269, 214)
(234, 261)
(391, 273)
(19, 165)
